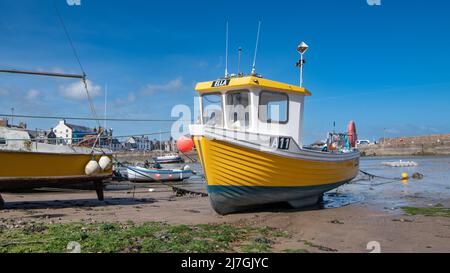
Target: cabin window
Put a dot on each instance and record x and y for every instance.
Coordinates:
(2, 141)
(238, 111)
(212, 109)
(273, 107)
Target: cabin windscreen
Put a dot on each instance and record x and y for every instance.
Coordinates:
(237, 109)
(273, 107)
(212, 110)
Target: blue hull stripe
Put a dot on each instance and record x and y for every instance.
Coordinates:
(228, 199)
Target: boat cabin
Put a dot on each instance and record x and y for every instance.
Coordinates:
(252, 105)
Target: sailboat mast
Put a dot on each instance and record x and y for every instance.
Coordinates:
(160, 143)
(106, 101)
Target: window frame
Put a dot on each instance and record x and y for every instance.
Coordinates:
(287, 107)
(221, 107)
(247, 91)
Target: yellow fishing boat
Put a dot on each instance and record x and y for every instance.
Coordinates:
(249, 137)
(28, 164)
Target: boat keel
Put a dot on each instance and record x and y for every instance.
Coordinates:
(99, 190)
(232, 199)
(306, 202)
(2, 203)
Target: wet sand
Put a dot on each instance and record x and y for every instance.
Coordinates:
(344, 229)
(361, 212)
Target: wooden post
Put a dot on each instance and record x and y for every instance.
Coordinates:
(2, 203)
(99, 190)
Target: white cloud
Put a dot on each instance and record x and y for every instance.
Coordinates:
(172, 85)
(32, 94)
(123, 102)
(76, 91)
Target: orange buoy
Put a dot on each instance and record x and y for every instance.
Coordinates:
(352, 136)
(185, 144)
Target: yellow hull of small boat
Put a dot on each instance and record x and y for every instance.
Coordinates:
(30, 169)
(239, 177)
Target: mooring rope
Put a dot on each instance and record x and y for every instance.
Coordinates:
(371, 176)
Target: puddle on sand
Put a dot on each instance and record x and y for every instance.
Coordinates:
(433, 188)
(333, 200)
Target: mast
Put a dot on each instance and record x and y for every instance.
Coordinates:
(160, 143)
(106, 101)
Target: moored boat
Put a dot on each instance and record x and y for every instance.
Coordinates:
(141, 174)
(28, 164)
(250, 142)
(168, 159)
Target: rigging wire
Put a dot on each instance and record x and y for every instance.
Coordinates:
(91, 119)
(69, 38)
(78, 138)
(77, 57)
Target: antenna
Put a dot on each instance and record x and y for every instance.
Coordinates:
(239, 60)
(226, 52)
(256, 49)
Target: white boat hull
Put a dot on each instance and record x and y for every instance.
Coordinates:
(147, 175)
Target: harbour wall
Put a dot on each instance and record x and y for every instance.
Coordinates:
(409, 146)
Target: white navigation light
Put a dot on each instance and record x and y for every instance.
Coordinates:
(302, 48)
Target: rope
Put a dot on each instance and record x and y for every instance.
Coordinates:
(190, 158)
(371, 176)
(91, 103)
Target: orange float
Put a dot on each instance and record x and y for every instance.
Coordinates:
(185, 144)
(352, 136)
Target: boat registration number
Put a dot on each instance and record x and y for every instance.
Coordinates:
(220, 83)
(281, 143)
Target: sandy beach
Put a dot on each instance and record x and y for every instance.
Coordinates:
(345, 229)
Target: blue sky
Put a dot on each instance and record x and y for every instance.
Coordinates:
(386, 67)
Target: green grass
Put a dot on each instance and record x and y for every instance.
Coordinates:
(300, 250)
(431, 211)
(319, 247)
(152, 237)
